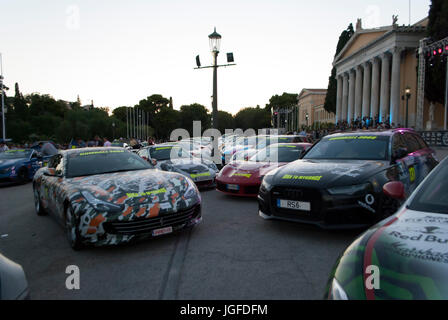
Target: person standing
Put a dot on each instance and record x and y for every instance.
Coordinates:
(106, 143)
(3, 146)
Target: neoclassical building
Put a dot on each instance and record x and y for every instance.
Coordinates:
(373, 71)
(310, 108)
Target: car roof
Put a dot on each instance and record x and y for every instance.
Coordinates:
(372, 132)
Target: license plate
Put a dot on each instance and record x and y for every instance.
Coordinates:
(294, 205)
(159, 232)
(233, 187)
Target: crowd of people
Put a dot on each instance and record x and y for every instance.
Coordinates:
(50, 148)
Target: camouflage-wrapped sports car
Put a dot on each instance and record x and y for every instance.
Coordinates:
(110, 196)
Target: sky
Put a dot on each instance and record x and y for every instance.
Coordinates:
(119, 52)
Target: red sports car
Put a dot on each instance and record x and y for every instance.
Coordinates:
(243, 178)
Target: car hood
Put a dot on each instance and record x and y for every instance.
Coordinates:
(411, 253)
(327, 173)
(186, 165)
(249, 169)
(134, 188)
(6, 163)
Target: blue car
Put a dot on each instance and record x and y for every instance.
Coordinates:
(19, 165)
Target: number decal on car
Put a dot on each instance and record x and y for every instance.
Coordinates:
(412, 174)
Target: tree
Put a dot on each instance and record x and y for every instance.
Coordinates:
(283, 101)
(167, 120)
(225, 121)
(253, 118)
(330, 99)
(437, 30)
(20, 107)
(153, 104)
(194, 112)
(121, 113)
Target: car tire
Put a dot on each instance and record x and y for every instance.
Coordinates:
(72, 229)
(37, 203)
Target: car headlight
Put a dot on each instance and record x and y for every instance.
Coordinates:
(212, 166)
(336, 291)
(266, 183)
(349, 190)
(101, 205)
(192, 190)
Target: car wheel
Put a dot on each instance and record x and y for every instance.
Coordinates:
(72, 230)
(23, 175)
(37, 203)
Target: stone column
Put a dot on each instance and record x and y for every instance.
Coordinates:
(351, 96)
(366, 90)
(385, 87)
(339, 99)
(395, 86)
(344, 108)
(358, 92)
(375, 93)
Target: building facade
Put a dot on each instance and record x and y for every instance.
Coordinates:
(310, 108)
(373, 71)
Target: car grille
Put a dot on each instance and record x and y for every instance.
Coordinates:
(143, 226)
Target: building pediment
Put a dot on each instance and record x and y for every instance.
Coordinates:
(360, 40)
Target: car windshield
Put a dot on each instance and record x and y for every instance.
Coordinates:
(161, 153)
(433, 194)
(353, 147)
(265, 142)
(278, 153)
(105, 161)
(15, 154)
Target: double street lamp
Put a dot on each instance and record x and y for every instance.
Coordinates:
(215, 43)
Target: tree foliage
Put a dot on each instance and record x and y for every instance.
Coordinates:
(225, 121)
(330, 99)
(253, 118)
(194, 112)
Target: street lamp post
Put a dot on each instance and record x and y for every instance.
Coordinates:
(215, 42)
(408, 96)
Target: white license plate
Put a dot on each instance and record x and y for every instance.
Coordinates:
(233, 187)
(294, 205)
(159, 232)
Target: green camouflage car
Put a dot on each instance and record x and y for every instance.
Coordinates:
(406, 255)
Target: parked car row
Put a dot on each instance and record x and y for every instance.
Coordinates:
(109, 195)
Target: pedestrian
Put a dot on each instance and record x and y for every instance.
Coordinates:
(3, 146)
(106, 143)
(98, 142)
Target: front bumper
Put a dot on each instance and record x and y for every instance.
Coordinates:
(327, 211)
(245, 190)
(117, 232)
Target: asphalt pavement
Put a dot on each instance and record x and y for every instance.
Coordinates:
(233, 254)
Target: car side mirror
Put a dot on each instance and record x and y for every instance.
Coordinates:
(154, 162)
(394, 190)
